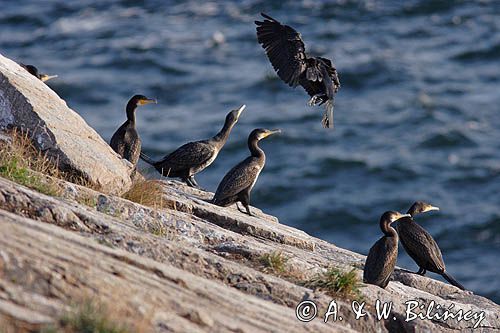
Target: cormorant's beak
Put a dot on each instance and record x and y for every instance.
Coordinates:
(45, 77)
(148, 101)
(271, 132)
(400, 216)
(240, 110)
(429, 208)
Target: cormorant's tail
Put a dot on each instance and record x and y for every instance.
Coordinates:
(327, 120)
(451, 280)
(147, 159)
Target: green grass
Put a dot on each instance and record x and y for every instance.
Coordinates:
(274, 262)
(88, 317)
(335, 281)
(87, 200)
(12, 169)
(20, 162)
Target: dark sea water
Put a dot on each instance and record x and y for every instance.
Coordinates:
(417, 116)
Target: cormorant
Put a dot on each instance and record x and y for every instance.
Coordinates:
(238, 182)
(286, 51)
(420, 245)
(193, 157)
(34, 71)
(382, 257)
(126, 141)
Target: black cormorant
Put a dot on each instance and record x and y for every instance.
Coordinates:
(193, 157)
(126, 141)
(420, 245)
(34, 71)
(238, 182)
(286, 51)
(382, 257)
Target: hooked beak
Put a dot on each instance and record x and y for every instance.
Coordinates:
(400, 216)
(45, 77)
(240, 110)
(271, 132)
(431, 208)
(148, 101)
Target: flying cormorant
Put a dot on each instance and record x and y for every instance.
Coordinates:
(238, 182)
(34, 71)
(286, 51)
(126, 141)
(382, 257)
(420, 245)
(193, 157)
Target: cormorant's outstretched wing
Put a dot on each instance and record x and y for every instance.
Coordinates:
(237, 179)
(284, 48)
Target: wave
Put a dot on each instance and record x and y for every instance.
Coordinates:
(491, 53)
(453, 138)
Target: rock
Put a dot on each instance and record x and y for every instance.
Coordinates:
(172, 298)
(224, 262)
(188, 266)
(28, 104)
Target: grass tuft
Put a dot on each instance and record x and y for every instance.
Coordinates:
(335, 281)
(87, 200)
(274, 262)
(22, 163)
(88, 317)
(147, 193)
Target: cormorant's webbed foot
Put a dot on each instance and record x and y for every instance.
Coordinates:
(421, 271)
(189, 182)
(195, 183)
(241, 210)
(248, 210)
(315, 99)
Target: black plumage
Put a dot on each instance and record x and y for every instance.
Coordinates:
(420, 245)
(286, 51)
(193, 157)
(381, 259)
(34, 71)
(237, 184)
(126, 141)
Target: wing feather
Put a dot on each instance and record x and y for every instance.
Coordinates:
(189, 155)
(237, 179)
(284, 48)
(420, 246)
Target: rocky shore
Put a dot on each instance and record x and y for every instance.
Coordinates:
(174, 262)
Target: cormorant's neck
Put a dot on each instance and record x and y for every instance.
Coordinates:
(255, 150)
(387, 229)
(411, 211)
(131, 106)
(223, 135)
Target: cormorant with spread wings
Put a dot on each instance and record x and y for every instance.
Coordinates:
(286, 51)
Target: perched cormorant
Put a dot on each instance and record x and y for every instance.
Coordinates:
(420, 245)
(34, 71)
(238, 182)
(193, 157)
(382, 257)
(286, 51)
(126, 141)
